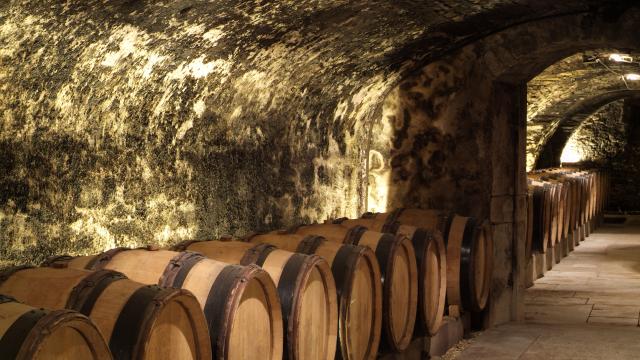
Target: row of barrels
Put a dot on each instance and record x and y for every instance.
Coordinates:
(341, 289)
(561, 201)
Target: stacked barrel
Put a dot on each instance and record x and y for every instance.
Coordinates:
(564, 205)
(345, 289)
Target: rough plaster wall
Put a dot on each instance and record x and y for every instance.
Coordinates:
(602, 137)
(116, 134)
(133, 122)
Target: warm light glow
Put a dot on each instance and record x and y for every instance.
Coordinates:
(632, 77)
(379, 179)
(571, 153)
(621, 58)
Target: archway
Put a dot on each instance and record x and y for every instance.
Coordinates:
(458, 131)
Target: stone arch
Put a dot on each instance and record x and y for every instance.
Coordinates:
(453, 134)
(575, 116)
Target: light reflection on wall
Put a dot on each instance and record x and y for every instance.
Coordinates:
(379, 178)
(572, 152)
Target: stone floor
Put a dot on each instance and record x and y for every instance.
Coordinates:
(586, 307)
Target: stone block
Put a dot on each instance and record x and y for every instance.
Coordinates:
(451, 332)
(550, 257)
(502, 209)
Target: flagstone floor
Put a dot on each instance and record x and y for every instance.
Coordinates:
(586, 307)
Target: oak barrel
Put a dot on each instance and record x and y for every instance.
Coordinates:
(306, 288)
(469, 252)
(240, 303)
(397, 259)
(357, 277)
(30, 333)
(137, 321)
(432, 269)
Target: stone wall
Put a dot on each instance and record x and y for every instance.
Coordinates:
(625, 166)
(601, 138)
(125, 123)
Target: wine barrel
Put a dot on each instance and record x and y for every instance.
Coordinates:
(28, 333)
(397, 259)
(469, 252)
(357, 277)
(528, 246)
(240, 302)
(306, 288)
(541, 216)
(137, 321)
(432, 270)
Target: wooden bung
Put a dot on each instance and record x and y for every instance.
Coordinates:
(469, 252)
(137, 321)
(240, 302)
(398, 268)
(305, 286)
(432, 269)
(30, 333)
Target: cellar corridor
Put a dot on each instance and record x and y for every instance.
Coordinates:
(319, 180)
(586, 307)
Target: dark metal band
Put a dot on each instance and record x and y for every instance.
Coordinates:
(249, 236)
(342, 268)
(339, 220)
(390, 227)
(257, 254)
(6, 299)
(444, 223)
(292, 229)
(221, 294)
(58, 261)
(13, 339)
(5, 274)
(384, 254)
(354, 235)
(394, 216)
(178, 268)
(130, 322)
(84, 295)
(467, 250)
(183, 245)
(310, 244)
(288, 285)
(100, 261)
(421, 240)
(368, 215)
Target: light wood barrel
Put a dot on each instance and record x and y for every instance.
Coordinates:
(469, 252)
(432, 270)
(528, 246)
(240, 303)
(359, 289)
(397, 259)
(541, 217)
(30, 333)
(137, 321)
(306, 288)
